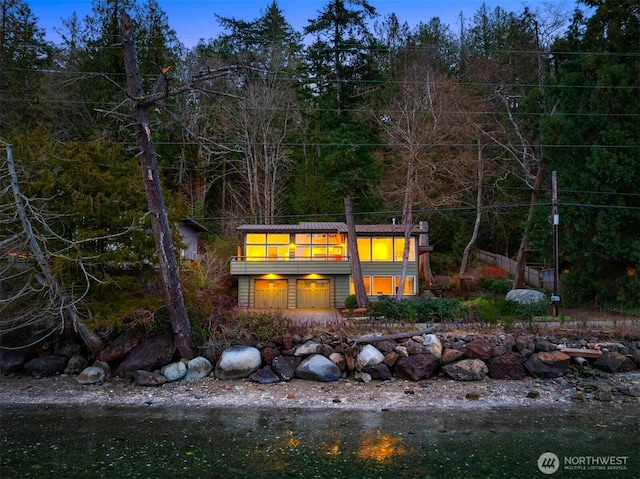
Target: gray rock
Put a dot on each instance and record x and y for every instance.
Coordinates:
(47, 365)
(174, 371)
(416, 367)
(526, 296)
(121, 346)
(466, 370)
(238, 362)
(551, 364)
(105, 367)
(416, 347)
(369, 356)
(76, 365)
(264, 376)
(200, 367)
(146, 378)
(614, 363)
(379, 371)
(432, 345)
(92, 375)
(385, 346)
(149, 356)
(285, 366)
(318, 368)
(308, 348)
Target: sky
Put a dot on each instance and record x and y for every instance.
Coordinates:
(194, 19)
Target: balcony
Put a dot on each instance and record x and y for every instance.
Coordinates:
(319, 264)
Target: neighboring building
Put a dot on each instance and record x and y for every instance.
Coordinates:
(190, 230)
(308, 266)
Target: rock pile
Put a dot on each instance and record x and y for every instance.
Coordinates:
(328, 357)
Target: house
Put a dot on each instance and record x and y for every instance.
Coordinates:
(308, 265)
(190, 230)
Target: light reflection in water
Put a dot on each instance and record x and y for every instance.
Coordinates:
(380, 448)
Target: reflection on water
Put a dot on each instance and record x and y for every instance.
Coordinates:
(67, 442)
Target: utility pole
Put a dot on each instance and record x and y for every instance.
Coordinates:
(555, 298)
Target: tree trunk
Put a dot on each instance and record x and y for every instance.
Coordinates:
(476, 226)
(356, 269)
(55, 290)
(521, 260)
(166, 252)
(424, 262)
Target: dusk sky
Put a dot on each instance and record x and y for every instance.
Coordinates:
(194, 19)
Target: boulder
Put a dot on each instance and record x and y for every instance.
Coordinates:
(526, 296)
(285, 366)
(174, 371)
(146, 378)
(451, 355)
(92, 375)
(369, 356)
(148, 356)
(416, 347)
(12, 360)
(432, 345)
(479, 348)
(466, 370)
(76, 365)
(318, 368)
(238, 362)
(379, 371)
(198, 368)
(614, 363)
(264, 376)
(46, 365)
(121, 346)
(416, 367)
(507, 366)
(308, 348)
(339, 360)
(544, 365)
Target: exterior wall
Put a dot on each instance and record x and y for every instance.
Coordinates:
(190, 240)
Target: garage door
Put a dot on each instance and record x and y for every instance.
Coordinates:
(270, 293)
(313, 293)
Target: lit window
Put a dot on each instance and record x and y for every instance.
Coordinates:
(399, 249)
(256, 253)
(303, 238)
(256, 238)
(382, 285)
(364, 249)
(409, 285)
(367, 285)
(382, 249)
(319, 238)
(274, 238)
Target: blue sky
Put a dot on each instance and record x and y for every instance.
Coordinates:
(194, 19)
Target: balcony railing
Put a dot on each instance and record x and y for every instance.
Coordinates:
(317, 257)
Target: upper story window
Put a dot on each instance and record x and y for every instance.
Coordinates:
(267, 247)
(384, 249)
(319, 246)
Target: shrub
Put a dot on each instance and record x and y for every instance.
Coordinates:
(498, 286)
(264, 325)
(350, 301)
(421, 310)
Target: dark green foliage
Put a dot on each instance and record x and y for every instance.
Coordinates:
(419, 310)
(493, 310)
(498, 286)
(350, 301)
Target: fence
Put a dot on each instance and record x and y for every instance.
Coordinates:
(531, 275)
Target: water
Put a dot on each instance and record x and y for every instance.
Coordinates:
(161, 442)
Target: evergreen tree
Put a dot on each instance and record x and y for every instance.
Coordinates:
(593, 143)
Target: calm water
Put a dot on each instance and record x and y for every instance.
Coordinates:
(157, 442)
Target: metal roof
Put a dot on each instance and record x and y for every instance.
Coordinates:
(326, 227)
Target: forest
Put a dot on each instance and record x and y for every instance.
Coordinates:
(458, 125)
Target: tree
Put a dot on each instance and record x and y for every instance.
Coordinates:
(24, 54)
(592, 143)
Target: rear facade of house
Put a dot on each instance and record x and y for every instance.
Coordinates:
(308, 265)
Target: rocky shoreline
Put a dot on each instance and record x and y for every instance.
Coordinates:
(417, 370)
